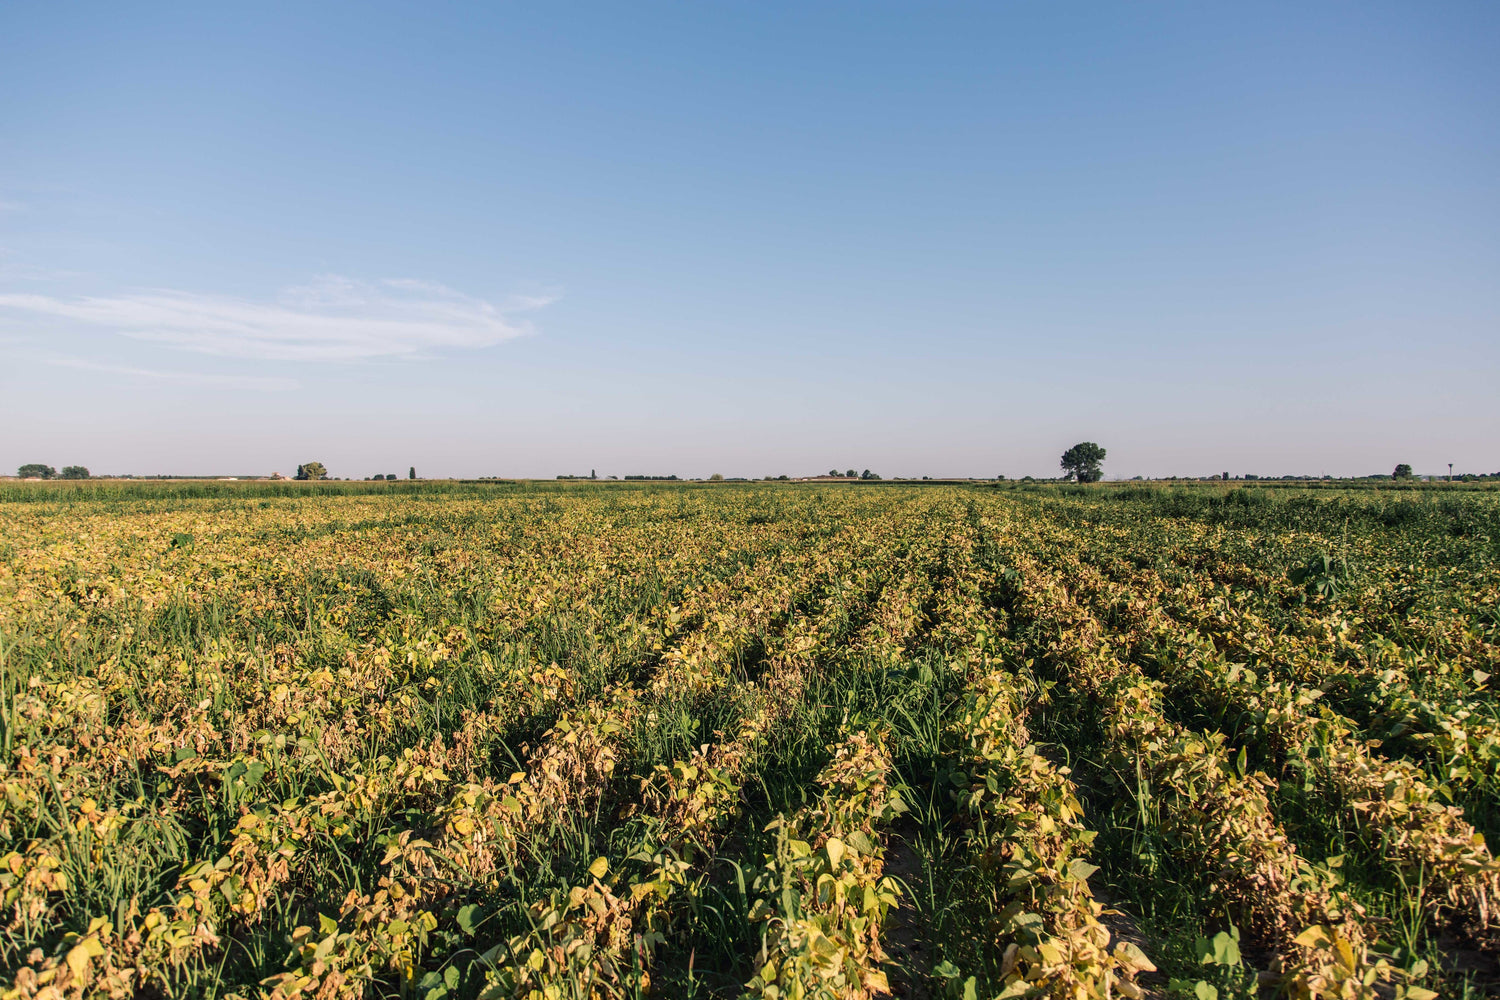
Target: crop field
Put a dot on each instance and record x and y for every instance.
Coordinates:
(749, 741)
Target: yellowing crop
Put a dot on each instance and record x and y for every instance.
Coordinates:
(770, 741)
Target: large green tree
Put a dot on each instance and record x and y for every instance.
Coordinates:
(36, 471)
(312, 470)
(1403, 471)
(1082, 462)
(75, 472)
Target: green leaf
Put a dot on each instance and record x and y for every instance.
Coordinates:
(1226, 950)
(466, 921)
(739, 878)
(1081, 870)
(1205, 991)
(599, 867)
(946, 970)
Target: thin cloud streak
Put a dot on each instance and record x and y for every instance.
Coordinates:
(14, 267)
(331, 319)
(251, 382)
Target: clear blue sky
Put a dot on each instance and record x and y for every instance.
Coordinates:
(748, 238)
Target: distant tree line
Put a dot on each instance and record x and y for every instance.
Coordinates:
(35, 470)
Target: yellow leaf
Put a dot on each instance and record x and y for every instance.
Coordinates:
(78, 961)
(1134, 957)
(1316, 936)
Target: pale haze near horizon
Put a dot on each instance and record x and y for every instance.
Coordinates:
(753, 240)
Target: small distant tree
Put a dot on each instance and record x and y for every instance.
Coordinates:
(74, 472)
(833, 472)
(718, 477)
(1082, 462)
(411, 473)
(36, 471)
(312, 470)
(867, 474)
(1403, 471)
(851, 474)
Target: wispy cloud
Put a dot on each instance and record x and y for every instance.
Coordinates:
(251, 382)
(331, 319)
(15, 267)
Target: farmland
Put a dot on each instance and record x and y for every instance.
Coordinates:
(767, 741)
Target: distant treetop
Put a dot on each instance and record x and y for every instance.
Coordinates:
(1082, 462)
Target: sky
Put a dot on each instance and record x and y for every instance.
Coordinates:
(752, 239)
